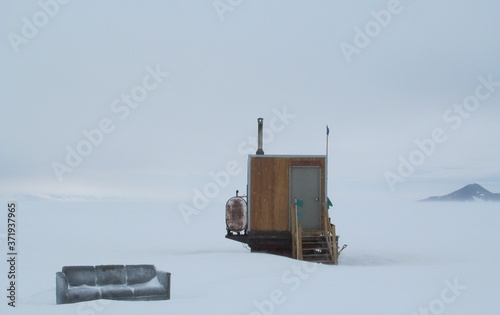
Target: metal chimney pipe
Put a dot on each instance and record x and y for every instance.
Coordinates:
(259, 150)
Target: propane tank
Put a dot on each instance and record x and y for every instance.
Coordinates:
(236, 214)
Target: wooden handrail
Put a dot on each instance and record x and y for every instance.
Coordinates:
(294, 230)
(296, 233)
(329, 230)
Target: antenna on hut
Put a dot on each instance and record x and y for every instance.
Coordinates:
(327, 133)
(328, 202)
(326, 168)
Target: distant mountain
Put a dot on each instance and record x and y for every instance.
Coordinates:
(472, 192)
(48, 197)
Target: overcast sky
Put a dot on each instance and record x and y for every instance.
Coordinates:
(176, 88)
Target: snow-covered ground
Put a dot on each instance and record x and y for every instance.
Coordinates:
(402, 258)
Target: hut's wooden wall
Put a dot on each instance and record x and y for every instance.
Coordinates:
(269, 189)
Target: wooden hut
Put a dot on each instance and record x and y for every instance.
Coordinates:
(286, 208)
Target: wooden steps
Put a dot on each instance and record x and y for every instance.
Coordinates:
(315, 249)
(318, 246)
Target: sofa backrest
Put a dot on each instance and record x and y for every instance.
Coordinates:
(80, 275)
(111, 274)
(140, 273)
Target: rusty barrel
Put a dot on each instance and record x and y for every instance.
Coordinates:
(236, 214)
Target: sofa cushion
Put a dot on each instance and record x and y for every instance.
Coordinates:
(116, 292)
(83, 293)
(80, 275)
(140, 273)
(111, 274)
(148, 290)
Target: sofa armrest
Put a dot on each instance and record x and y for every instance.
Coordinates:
(61, 288)
(164, 280)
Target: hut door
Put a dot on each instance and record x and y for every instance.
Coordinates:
(306, 185)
